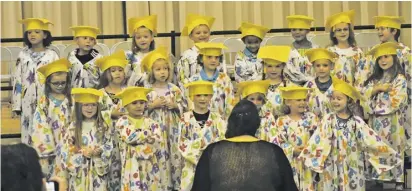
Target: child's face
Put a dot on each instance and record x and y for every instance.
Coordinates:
(322, 68)
(385, 34)
(116, 74)
(36, 36)
(274, 72)
(341, 32)
(256, 98)
(211, 62)
(58, 82)
(252, 43)
(200, 33)
(296, 105)
(339, 101)
(136, 108)
(202, 101)
(299, 34)
(385, 62)
(160, 70)
(143, 37)
(89, 110)
(85, 43)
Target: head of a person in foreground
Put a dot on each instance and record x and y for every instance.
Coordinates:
(244, 120)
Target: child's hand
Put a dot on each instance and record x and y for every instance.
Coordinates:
(97, 151)
(159, 102)
(386, 87)
(172, 105)
(87, 152)
(117, 113)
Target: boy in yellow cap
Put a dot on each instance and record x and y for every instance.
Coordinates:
(386, 92)
(350, 66)
(112, 81)
(143, 145)
(294, 131)
(339, 147)
(197, 27)
(322, 64)
(198, 128)
(26, 85)
(210, 57)
(274, 71)
(51, 116)
(142, 30)
(255, 91)
(85, 74)
(247, 66)
(165, 104)
(88, 143)
(300, 28)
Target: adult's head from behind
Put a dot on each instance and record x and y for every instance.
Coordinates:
(20, 168)
(244, 120)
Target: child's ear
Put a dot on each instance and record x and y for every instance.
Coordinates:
(394, 31)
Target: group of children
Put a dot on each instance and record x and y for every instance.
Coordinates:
(136, 121)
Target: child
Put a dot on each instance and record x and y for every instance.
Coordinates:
(52, 116)
(26, 86)
(112, 81)
(210, 57)
(143, 146)
(165, 104)
(255, 91)
(247, 66)
(85, 74)
(295, 128)
(350, 65)
(197, 27)
(88, 143)
(339, 147)
(299, 68)
(319, 99)
(389, 30)
(273, 71)
(197, 129)
(386, 93)
(142, 30)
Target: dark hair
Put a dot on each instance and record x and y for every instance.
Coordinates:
(397, 35)
(104, 81)
(21, 164)
(351, 38)
(200, 59)
(244, 120)
(78, 119)
(136, 49)
(46, 42)
(67, 89)
(378, 72)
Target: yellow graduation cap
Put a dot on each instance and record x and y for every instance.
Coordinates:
(199, 88)
(320, 53)
(343, 17)
(36, 24)
(299, 21)
(149, 59)
(210, 48)
(116, 59)
(252, 29)
(85, 31)
(274, 55)
(61, 65)
(345, 88)
(388, 21)
(387, 48)
(250, 87)
(294, 92)
(86, 95)
(131, 94)
(193, 20)
(149, 22)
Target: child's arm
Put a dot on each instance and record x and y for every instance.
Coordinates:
(102, 159)
(17, 86)
(379, 154)
(93, 72)
(138, 135)
(228, 89)
(240, 64)
(71, 155)
(281, 139)
(188, 146)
